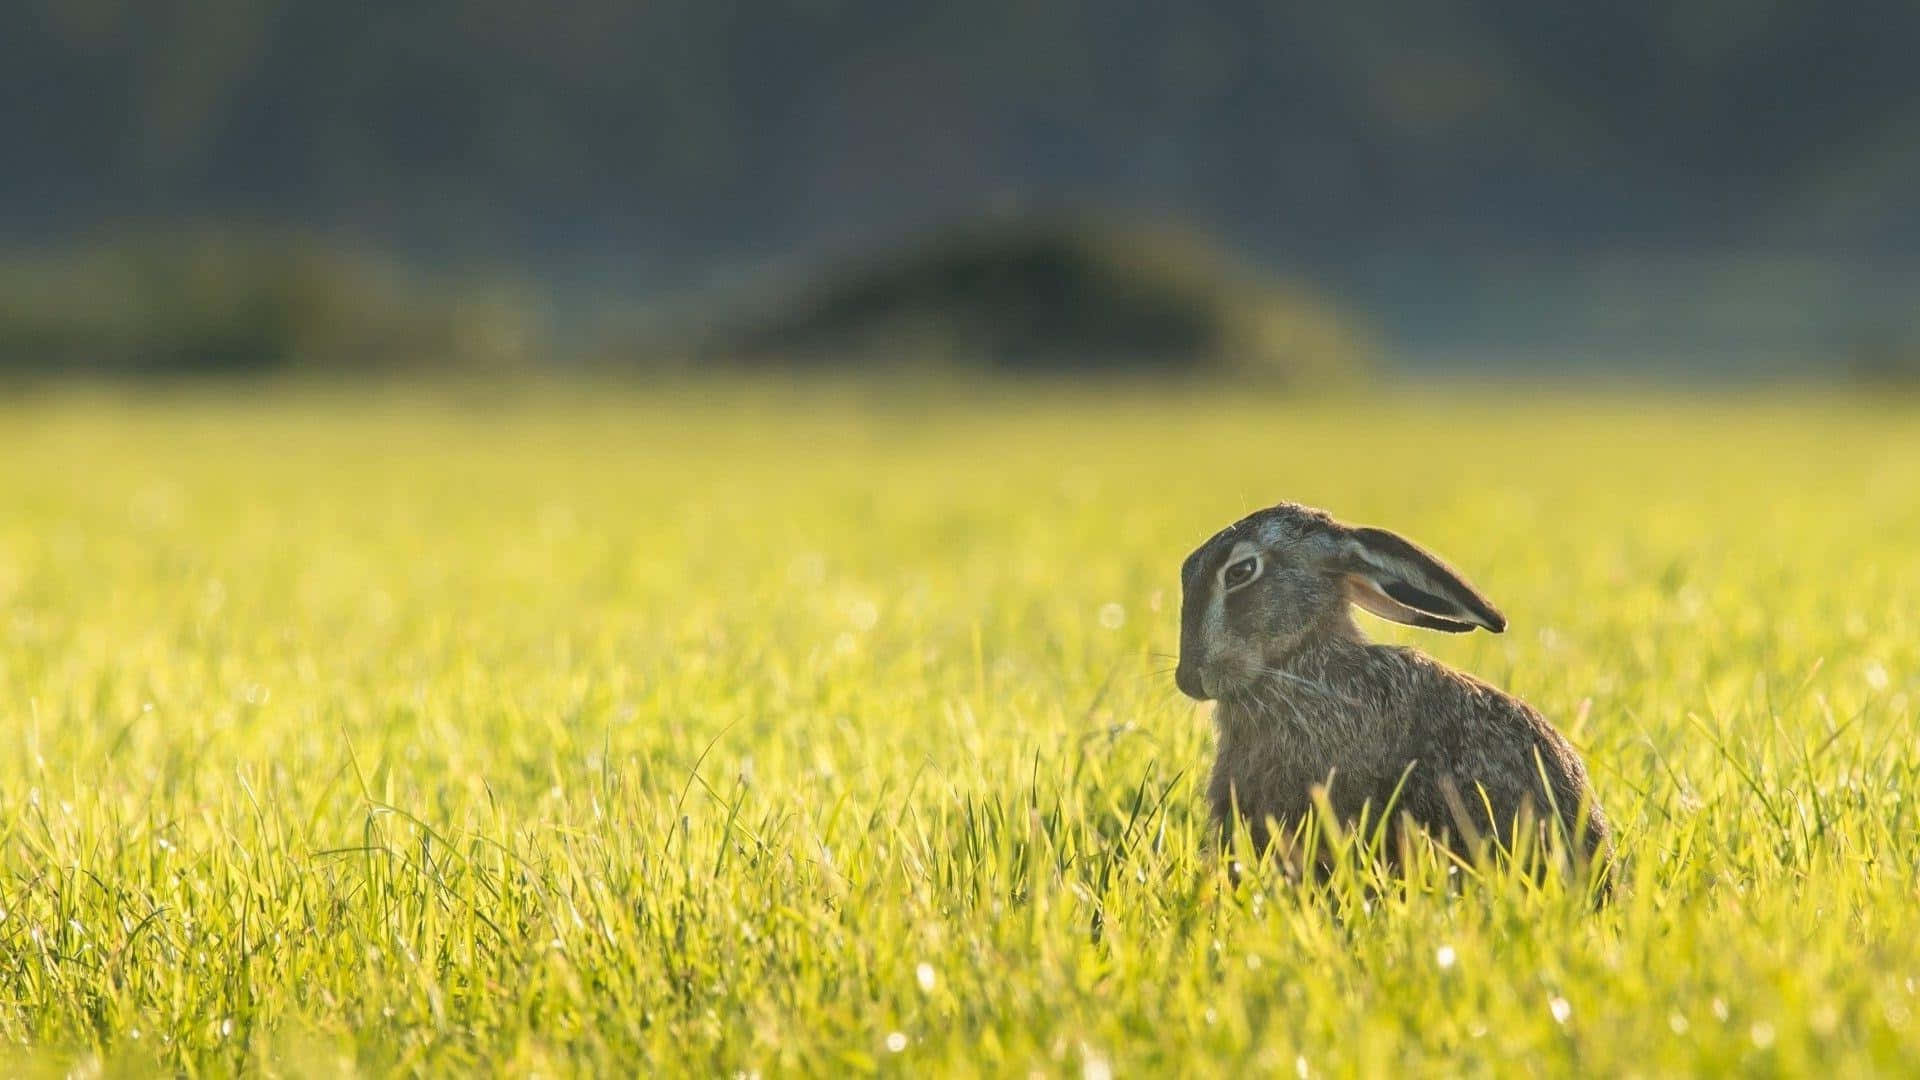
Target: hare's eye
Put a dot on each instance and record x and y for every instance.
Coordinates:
(1238, 574)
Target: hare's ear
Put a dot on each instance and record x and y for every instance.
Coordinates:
(1397, 579)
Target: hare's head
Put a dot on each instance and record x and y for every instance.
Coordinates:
(1282, 578)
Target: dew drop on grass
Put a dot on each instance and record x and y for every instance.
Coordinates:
(1095, 1066)
(1677, 1023)
(1561, 1009)
(896, 1042)
(925, 976)
(1444, 956)
(1877, 676)
(1761, 1033)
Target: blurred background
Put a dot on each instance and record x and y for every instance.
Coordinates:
(1698, 190)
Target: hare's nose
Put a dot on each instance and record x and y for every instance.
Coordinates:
(1193, 652)
(1187, 678)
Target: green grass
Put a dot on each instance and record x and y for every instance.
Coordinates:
(717, 730)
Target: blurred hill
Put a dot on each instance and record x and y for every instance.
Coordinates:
(678, 134)
(1044, 294)
(214, 300)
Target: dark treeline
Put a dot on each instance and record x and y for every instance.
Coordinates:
(676, 134)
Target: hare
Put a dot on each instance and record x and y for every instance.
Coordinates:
(1307, 705)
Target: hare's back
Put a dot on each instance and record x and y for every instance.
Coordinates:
(1493, 752)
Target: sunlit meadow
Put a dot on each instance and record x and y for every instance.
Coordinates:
(727, 731)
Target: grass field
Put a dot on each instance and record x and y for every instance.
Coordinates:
(717, 730)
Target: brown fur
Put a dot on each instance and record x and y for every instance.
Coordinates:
(1305, 702)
